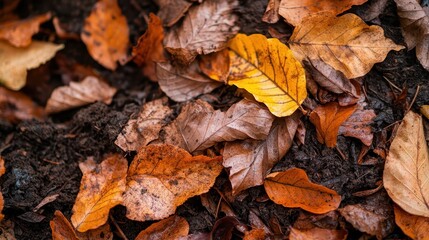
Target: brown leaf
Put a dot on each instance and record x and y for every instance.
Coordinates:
(77, 94)
(19, 32)
(15, 107)
(170, 11)
(250, 161)
(143, 130)
(415, 28)
(216, 65)
(317, 234)
(328, 119)
(172, 228)
(2, 171)
(206, 28)
(308, 221)
(255, 234)
(415, 227)
(358, 125)
(162, 177)
(105, 34)
(149, 49)
(183, 83)
(101, 189)
(372, 10)
(271, 14)
(223, 228)
(405, 175)
(292, 188)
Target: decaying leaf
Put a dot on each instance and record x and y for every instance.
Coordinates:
(346, 43)
(149, 49)
(201, 127)
(292, 188)
(14, 62)
(327, 119)
(358, 125)
(172, 228)
(15, 107)
(317, 234)
(101, 189)
(294, 11)
(162, 177)
(170, 11)
(405, 175)
(216, 65)
(105, 34)
(415, 227)
(183, 83)
(255, 234)
(271, 14)
(250, 161)
(77, 94)
(415, 28)
(268, 70)
(206, 28)
(19, 33)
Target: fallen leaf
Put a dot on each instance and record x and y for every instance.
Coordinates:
(424, 109)
(346, 43)
(172, 228)
(250, 161)
(255, 234)
(15, 107)
(183, 83)
(143, 130)
(206, 28)
(14, 62)
(216, 65)
(101, 189)
(170, 11)
(149, 49)
(415, 28)
(295, 11)
(77, 94)
(105, 34)
(373, 10)
(317, 234)
(292, 188)
(271, 14)
(307, 221)
(201, 127)
(268, 70)
(405, 175)
(19, 32)
(162, 177)
(327, 119)
(358, 125)
(415, 227)
(223, 228)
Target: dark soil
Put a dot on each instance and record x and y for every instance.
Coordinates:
(42, 157)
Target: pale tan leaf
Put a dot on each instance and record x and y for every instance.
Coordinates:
(77, 94)
(317, 234)
(170, 11)
(172, 228)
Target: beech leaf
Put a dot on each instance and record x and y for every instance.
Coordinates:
(415, 227)
(271, 14)
(267, 69)
(346, 43)
(317, 234)
(292, 188)
(358, 125)
(172, 228)
(162, 177)
(170, 11)
(406, 172)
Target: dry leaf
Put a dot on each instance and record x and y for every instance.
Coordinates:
(271, 14)
(358, 125)
(415, 227)
(77, 94)
(201, 127)
(149, 49)
(424, 109)
(171, 228)
(405, 175)
(170, 11)
(372, 10)
(183, 83)
(223, 228)
(255, 234)
(415, 28)
(216, 65)
(14, 62)
(346, 43)
(292, 188)
(250, 161)
(206, 28)
(19, 32)
(105, 34)
(317, 234)
(101, 189)
(267, 69)
(15, 107)
(2, 171)
(143, 130)
(294, 11)
(162, 177)
(327, 119)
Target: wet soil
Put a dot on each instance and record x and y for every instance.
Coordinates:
(42, 157)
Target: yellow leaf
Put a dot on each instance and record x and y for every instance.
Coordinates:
(267, 69)
(346, 43)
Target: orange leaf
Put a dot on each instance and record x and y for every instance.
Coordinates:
(19, 33)
(292, 188)
(317, 234)
(2, 171)
(15, 107)
(105, 34)
(216, 65)
(149, 48)
(328, 119)
(101, 189)
(173, 227)
(162, 177)
(255, 234)
(415, 227)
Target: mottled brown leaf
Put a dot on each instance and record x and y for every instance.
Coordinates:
(15, 107)
(172, 228)
(358, 125)
(271, 14)
(170, 11)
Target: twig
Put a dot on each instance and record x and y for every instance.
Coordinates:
(120, 232)
(414, 98)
